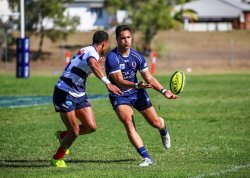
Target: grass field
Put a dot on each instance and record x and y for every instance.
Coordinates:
(209, 127)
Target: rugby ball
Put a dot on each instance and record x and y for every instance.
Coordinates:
(177, 82)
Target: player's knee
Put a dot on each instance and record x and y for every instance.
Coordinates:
(92, 127)
(157, 123)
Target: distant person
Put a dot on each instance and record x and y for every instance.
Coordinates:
(70, 98)
(121, 66)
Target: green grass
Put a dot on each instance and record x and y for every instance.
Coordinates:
(209, 127)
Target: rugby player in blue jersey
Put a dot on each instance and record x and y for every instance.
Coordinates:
(70, 98)
(121, 66)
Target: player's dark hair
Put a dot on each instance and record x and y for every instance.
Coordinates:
(122, 28)
(100, 36)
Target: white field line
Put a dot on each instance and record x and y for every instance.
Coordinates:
(221, 172)
(42, 104)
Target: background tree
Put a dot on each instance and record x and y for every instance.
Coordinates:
(147, 16)
(180, 13)
(39, 13)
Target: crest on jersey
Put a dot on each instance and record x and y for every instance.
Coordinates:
(122, 66)
(134, 64)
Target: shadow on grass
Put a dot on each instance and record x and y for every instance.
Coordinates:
(46, 163)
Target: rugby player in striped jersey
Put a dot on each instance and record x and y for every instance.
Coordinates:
(70, 98)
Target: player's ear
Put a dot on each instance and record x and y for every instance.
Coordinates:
(104, 44)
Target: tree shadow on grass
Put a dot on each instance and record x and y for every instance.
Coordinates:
(46, 163)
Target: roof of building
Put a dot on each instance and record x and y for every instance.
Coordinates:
(215, 9)
(238, 4)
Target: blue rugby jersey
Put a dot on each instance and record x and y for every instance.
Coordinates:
(128, 65)
(73, 79)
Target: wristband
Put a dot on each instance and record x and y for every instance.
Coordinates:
(163, 91)
(136, 85)
(105, 80)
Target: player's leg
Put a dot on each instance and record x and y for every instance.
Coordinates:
(87, 118)
(157, 122)
(152, 118)
(60, 135)
(125, 114)
(73, 129)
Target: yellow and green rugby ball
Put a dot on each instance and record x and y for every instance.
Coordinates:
(177, 82)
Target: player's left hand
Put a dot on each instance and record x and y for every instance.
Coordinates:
(101, 61)
(168, 94)
(114, 89)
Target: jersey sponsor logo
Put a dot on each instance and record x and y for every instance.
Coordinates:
(80, 82)
(68, 103)
(128, 75)
(122, 66)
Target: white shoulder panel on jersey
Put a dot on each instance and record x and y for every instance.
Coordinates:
(92, 52)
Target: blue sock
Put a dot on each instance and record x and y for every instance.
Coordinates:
(164, 131)
(143, 152)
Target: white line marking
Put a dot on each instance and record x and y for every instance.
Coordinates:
(31, 101)
(233, 169)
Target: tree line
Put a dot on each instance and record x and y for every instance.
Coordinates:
(146, 16)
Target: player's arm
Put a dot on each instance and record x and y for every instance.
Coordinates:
(150, 79)
(97, 70)
(118, 78)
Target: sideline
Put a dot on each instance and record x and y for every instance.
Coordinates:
(221, 172)
(26, 101)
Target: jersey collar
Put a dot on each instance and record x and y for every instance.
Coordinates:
(123, 55)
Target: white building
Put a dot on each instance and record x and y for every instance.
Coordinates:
(217, 15)
(5, 12)
(92, 14)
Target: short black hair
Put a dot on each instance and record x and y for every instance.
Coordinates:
(100, 36)
(122, 28)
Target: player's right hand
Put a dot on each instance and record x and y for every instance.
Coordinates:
(113, 89)
(141, 84)
(168, 94)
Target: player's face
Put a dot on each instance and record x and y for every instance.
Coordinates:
(124, 40)
(105, 46)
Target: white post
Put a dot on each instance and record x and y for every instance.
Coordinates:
(22, 19)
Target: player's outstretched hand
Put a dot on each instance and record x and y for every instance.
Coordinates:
(114, 89)
(101, 60)
(141, 84)
(168, 94)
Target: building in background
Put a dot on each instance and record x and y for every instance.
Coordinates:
(93, 15)
(213, 15)
(217, 15)
(91, 12)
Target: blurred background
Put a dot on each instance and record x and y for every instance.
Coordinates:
(196, 36)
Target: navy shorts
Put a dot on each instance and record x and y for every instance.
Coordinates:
(64, 102)
(138, 100)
